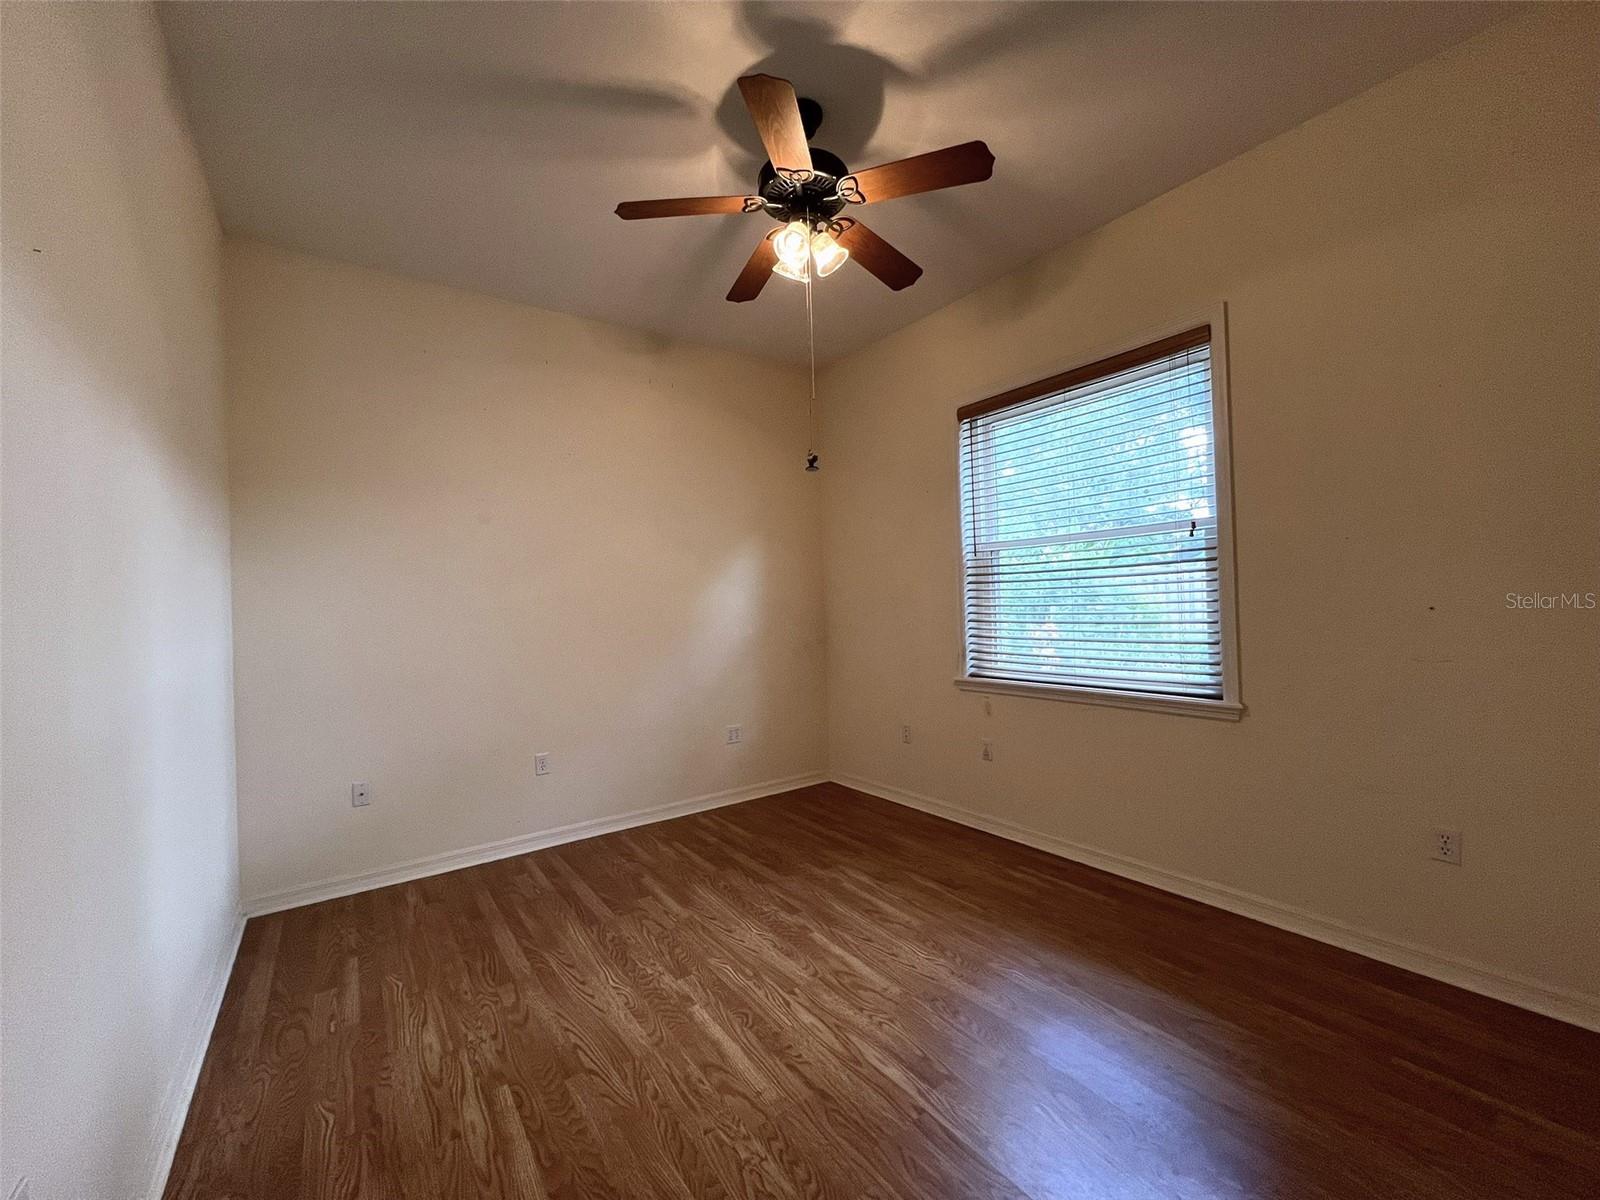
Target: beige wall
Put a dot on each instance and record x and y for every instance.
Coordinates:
(467, 531)
(120, 890)
(1411, 288)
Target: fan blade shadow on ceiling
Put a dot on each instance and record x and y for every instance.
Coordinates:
(848, 81)
(851, 82)
(1021, 29)
(615, 120)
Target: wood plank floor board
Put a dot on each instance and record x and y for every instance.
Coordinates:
(822, 994)
(1048, 1159)
(1260, 981)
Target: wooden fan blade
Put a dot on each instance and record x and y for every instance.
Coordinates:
(877, 256)
(687, 206)
(776, 112)
(969, 162)
(756, 272)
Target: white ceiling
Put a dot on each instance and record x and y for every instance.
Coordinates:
(485, 145)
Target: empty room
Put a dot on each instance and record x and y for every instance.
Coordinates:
(897, 600)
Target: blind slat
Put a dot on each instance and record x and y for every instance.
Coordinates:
(1149, 573)
(1184, 402)
(1197, 666)
(1121, 685)
(1151, 415)
(1164, 642)
(1129, 674)
(1087, 557)
(1082, 509)
(1073, 475)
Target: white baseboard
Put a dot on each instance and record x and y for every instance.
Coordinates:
(1576, 1008)
(175, 1109)
(471, 856)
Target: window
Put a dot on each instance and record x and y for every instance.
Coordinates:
(1095, 545)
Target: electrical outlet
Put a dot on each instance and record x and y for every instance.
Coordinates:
(1447, 846)
(905, 735)
(988, 750)
(541, 764)
(360, 797)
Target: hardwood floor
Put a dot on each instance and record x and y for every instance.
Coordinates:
(824, 994)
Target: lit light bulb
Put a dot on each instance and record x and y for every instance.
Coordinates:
(793, 245)
(797, 248)
(830, 256)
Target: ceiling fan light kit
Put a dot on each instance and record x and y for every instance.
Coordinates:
(802, 249)
(807, 190)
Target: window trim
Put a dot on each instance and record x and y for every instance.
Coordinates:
(1124, 353)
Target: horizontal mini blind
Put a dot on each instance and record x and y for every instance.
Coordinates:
(1089, 527)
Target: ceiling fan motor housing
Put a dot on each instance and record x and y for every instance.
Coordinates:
(818, 197)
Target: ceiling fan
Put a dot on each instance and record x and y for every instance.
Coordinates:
(806, 189)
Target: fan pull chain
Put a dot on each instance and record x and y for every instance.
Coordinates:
(811, 339)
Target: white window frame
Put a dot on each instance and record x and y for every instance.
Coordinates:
(1230, 707)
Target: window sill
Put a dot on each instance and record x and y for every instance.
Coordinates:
(1216, 710)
